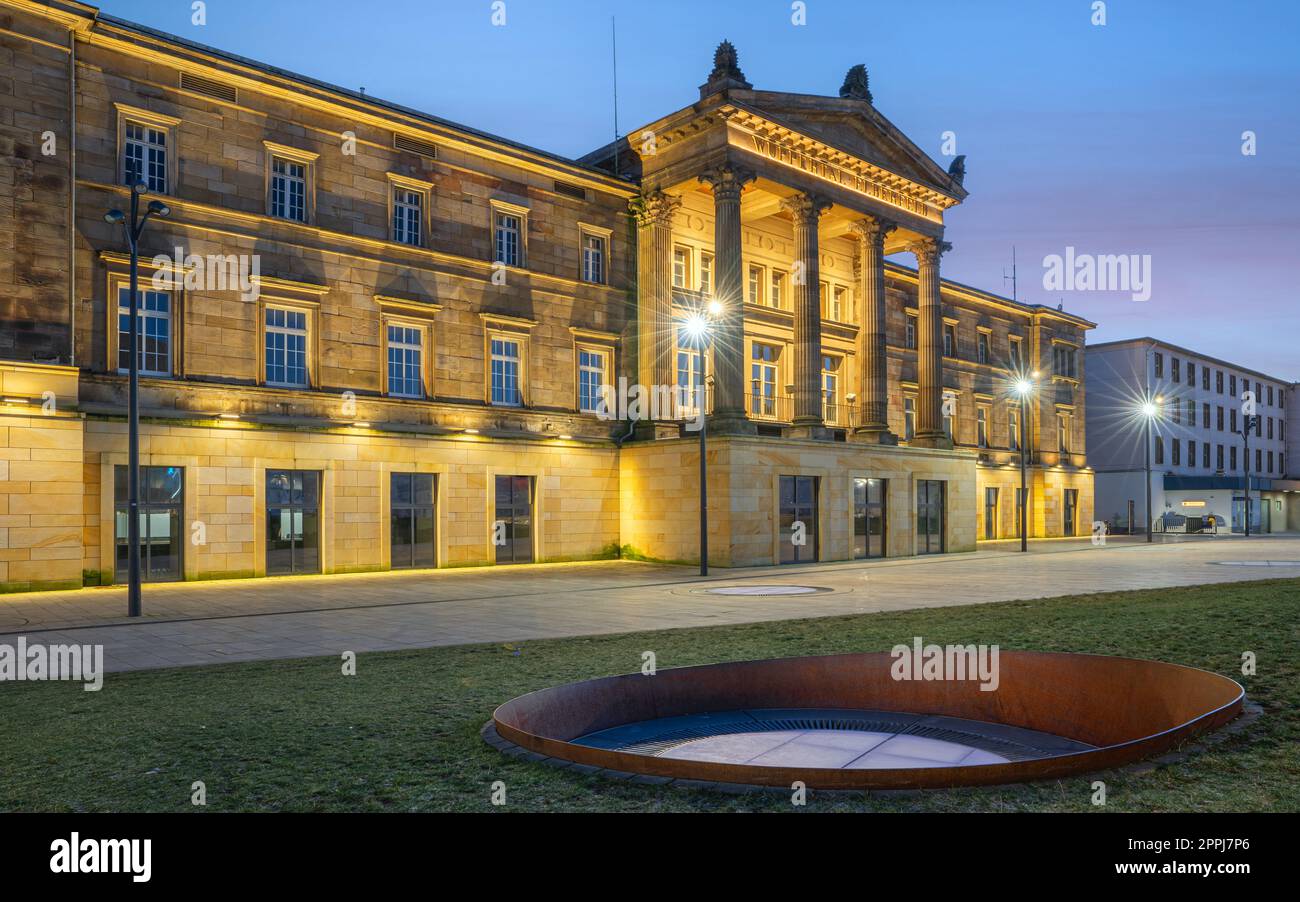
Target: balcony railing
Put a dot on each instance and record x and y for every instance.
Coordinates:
(780, 409)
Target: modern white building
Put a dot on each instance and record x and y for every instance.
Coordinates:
(1199, 456)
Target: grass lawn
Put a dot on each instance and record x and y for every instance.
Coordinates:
(402, 735)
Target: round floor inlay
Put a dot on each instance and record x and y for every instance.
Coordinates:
(763, 590)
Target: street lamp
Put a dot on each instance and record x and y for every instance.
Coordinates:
(1150, 411)
(1247, 423)
(1024, 387)
(699, 328)
(134, 227)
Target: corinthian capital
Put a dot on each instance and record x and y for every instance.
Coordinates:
(874, 229)
(807, 208)
(654, 206)
(727, 181)
(929, 250)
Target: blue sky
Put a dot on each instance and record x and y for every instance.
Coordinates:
(1120, 139)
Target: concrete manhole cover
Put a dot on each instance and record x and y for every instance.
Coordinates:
(763, 590)
(1258, 563)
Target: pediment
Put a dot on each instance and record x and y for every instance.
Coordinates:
(857, 128)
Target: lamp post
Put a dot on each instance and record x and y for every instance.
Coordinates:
(699, 327)
(134, 228)
(1150, 411)
(1024, 387)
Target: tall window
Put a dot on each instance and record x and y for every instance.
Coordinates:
(1014, 356)
(1218, 381)
(289, 189)
(909, 336)
(690, 375)
(1160, 450)
(1218, 457)
(408, 206)
(1063, 432)
(292, 521)
(839, 303)
(950, 419)
(776, 296)
(982, 348)
(754, 289)
(982, 427)
(1191, 373)
(145, 156)
(762, 381)
(591, 378)
(681, 267)
(509, 238)
(506, 362)
(286, 347)
(1173, 369)
(593, 259)
(1191, 454)
(1205, 415)
(706, 273)
(830, 388)
(1063, 359)
(413, 524)
(1159, 365)
(1013, 428)
(949, 340)
(405, 362)
(153, 332)
(909, 419)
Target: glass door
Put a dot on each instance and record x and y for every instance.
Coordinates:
(990, 513)
(161, 508)
(413, 521)
(1071, 512)
(930, 498)
(513, 529)
(869, 518)
(292, 521)
(798, 519)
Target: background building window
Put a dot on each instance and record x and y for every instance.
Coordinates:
(153, 332)
(286, 347)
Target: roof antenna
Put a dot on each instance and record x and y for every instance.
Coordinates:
(1011, 278)
(613, 33)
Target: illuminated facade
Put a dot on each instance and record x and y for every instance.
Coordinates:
(374, 338)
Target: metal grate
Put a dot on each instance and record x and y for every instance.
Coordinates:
(570, 190)
(208, 87)
(415, 145)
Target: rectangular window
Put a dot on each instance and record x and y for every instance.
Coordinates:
(1064, 361)
(161, 508)
(798, 519)
(839, 303)
(1191, 373)
(831, 389)
(1191, 412)
(413, 521)
(1205, 415)
(909, 338)
(754, 291)
(1218, 457)
(1219, 418)
(1070, 526)
(145, 156)
(1205, 455)
(153, 332)
(1218, 381)
(982, 348)
(706, 273)
(950, 419)
(776, 295)
(593, 259)
(292, 521)
(506, 363)
(408, 216)
(990, 512)
(405, 362)
(286, 347)
(982, 427)
(1205, 378)
(591, 379)
(930, 516)
(681, 267)
(762, 382)
(1159, 365)
(909, 418)
(690, 376)
(509, 239)
(1232, 386)
(1191, 454)
(288, 189)
(949, 340)
(1233, 457)
(869, 520)
(1177, 447)
(1063, 432)
(1015, 357)
(512, 531)
(1160, 450)
(1176, 412)
(1175, 375)
(1232, 420)
(1013, 428)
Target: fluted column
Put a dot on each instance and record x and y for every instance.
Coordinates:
(806, 211)
(654, 287)
(727, 183)
(872, 352)
(929, 406)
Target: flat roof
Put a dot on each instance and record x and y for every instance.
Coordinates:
(1147, 339)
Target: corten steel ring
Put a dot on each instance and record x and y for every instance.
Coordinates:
(1127, 709)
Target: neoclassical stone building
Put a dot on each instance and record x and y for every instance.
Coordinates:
(372, 338)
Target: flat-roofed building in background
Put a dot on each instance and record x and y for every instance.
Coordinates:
(1198, 452)
(372, 338)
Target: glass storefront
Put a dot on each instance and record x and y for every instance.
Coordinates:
(798, 519)
(513, 529)
(413, 521)
(930, 514)
(869, 518)
(292, 521)
(162, 495)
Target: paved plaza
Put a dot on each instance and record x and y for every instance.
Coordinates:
(245, 620)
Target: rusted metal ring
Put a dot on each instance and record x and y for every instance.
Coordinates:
(1126, 709)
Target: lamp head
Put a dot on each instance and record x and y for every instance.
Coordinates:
(114, 217)
(1149, 409)
(158, 208)
(697, 327)
(1024, 387)
(140, 187)
(715, 308)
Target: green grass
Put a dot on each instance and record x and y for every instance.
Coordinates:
(402, 735)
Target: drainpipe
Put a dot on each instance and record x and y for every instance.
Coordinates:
(72, 197)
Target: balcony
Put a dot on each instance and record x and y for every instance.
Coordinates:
(779, 409)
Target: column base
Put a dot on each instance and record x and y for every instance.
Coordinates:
(815, 430)
(731, 423)
(873, 435)
(651, 430)
(938, 440)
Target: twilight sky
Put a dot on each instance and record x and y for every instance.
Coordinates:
(1117, 139)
